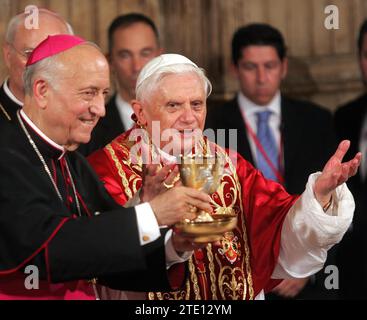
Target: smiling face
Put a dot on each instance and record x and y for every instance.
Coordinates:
(178, 103)
(260, 72)
(73, 105)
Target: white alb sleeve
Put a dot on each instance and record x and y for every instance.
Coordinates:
(308, 232)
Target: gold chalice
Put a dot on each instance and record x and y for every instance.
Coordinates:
(204, 172)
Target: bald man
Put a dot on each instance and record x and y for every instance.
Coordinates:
(18, 45)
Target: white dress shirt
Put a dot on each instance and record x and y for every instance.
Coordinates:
(125, 111)
(249, 109)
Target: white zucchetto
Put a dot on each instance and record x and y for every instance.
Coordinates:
(159, 62)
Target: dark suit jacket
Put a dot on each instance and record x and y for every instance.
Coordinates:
(308, 142)
(307, 133)
(106, 129)
(9, 105)
(352, 251)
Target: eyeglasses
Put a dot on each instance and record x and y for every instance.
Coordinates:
(26, 53)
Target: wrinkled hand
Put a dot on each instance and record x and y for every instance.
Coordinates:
(154, 179)
(335, 173)
(289, 288)
(176, 204)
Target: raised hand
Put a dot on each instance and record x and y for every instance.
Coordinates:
(335, 173)
(155, 180)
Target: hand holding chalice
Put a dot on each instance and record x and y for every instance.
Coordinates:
(204, 173)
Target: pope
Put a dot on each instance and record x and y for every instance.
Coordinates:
(277, 236)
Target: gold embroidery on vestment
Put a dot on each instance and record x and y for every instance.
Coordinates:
(120, 171)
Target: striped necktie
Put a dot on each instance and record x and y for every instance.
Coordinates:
(267, 140)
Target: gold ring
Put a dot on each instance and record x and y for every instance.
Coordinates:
(168, 186)
(175, 179)
(192, 209)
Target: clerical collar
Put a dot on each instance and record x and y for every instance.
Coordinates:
(249, 108)
(53, 148)
(10, 94)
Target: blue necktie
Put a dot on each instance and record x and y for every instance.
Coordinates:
(268, 143)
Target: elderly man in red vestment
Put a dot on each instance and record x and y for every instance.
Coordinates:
(277, 235)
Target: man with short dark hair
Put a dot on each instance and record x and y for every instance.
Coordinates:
(133, 41)
(284, 138)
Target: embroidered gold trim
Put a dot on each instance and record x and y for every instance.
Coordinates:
(223, 208)
(228, 283)
(174, 295)
(120, 171)
(5, 113)
(178, 295)
(245, 283)
(135, 181)
(187, 290)
(194, 280)
(213, 278)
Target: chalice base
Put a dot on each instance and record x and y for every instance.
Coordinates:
(207, 231)
(207, 239)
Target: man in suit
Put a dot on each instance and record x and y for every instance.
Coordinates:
(18, 45)
(351, 122)
(133, 41)
(282, 137)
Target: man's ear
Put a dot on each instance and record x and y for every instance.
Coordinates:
(139, 112)
(41, 92)
(6, 54)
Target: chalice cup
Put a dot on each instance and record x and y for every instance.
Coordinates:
(204, 173)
